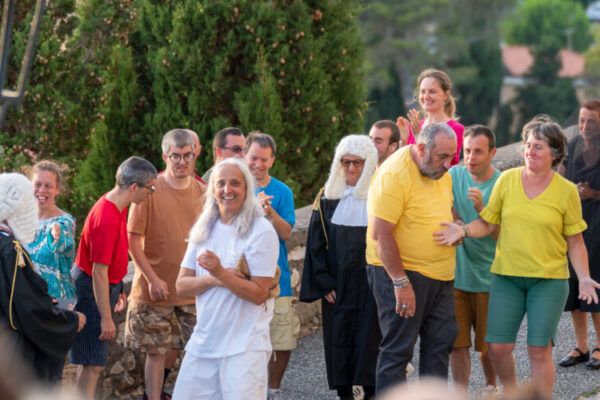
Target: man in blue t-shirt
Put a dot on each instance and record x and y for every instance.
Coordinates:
(277, 199)
(472, 185)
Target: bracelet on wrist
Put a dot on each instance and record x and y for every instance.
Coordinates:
(401, 282)
(466, 231)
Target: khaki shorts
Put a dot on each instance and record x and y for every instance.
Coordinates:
(157, 329)
(471, 309)
(285, 325)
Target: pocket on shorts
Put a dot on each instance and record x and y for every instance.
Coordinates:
(281, 312)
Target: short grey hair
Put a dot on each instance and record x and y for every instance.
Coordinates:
(431, 131)
(243, 222)
(178, 138)
(135, 170)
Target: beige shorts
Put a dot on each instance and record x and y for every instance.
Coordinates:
(285, 325)
(157, 329)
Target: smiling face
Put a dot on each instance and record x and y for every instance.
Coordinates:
(589, 124)
(229, 190)
(432, 97)
(260, 160)
(538, 154)
(436, 161)
(45, 189)
(478, 155)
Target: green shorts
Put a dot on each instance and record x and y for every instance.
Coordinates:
(512, 297)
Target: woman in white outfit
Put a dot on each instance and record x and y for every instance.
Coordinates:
(228, 353)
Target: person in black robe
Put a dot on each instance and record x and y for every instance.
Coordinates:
(334, 269)
(582, 167)
(39, 332)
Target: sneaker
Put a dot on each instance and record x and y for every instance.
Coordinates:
(273, 394)
(490, 392)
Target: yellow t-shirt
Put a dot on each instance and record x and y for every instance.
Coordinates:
(416, 205)
(532, 235)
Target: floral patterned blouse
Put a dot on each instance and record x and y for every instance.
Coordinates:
(53, 259)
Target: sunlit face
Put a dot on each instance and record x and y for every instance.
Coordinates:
(432, 97)
(381, 139)
(234, 148)
(259, 160)
(538, 154)
(589, 124)
(353, 167)
(141, 192)
(45, 188)
(180, 161)
(478, 156)
(435, 162)
(229, 190)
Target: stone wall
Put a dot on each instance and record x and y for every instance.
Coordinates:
(123, 376)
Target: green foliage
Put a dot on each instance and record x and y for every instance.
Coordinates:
(549, 24)
(469, 51)
(592, 66)
(399, 44)
(113, 137)
(292, 69)
(387, 102)
(51, 118)
(543, 25)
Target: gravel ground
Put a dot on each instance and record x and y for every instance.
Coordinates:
(305, 378)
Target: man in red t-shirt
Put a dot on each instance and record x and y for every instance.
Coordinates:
(101, 265)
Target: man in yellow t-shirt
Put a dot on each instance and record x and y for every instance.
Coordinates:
(409, 273)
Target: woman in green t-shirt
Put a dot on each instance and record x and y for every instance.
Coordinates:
(541, 222)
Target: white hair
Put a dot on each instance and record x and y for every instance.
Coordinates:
(359, 146)
(18, 207)
(251, 210)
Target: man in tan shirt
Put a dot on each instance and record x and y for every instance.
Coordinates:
(158, 321)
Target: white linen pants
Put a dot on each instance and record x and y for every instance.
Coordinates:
(239, 377)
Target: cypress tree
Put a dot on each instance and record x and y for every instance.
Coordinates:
(293, 69)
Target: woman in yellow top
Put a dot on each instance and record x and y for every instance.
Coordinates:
(540, 217)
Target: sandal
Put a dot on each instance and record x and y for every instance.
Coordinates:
(594, 363)
(570, 360)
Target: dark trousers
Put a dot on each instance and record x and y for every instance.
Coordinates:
(433, 322)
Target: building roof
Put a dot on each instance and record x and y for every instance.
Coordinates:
(517, 61)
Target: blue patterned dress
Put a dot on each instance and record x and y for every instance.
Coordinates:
(53, 259)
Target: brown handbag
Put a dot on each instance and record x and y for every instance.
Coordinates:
(241, 266)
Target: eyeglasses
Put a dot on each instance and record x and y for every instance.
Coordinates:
(151, 188)
(357, 163)
(235, 149)
(175, 157)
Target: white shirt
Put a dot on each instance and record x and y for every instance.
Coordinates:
(226, 324)
(350, 211)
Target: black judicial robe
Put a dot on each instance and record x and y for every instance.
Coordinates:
(40, 333)
(351, 332)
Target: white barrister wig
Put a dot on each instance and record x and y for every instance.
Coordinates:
(359, 146)
(18, 207)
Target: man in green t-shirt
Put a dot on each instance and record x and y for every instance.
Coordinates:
(472, 185)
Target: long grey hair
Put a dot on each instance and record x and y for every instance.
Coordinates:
(251, 210)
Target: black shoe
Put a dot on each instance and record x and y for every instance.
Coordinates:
(594, 363)
(569, 360)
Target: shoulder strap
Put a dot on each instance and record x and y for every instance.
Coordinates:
(317, 207)
(21, 255)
